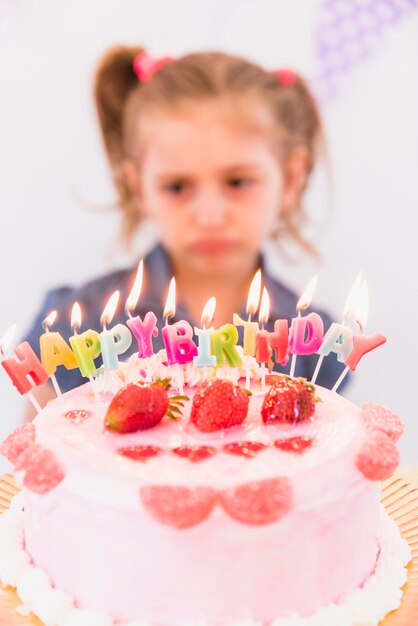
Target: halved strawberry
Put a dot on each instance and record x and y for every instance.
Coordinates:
(294, 444)
(259, 501)
(247, 449)
(139, 453)
(195, 453)
(180, 507)
(141, 405)
(219, 404)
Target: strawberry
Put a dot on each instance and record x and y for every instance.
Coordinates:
(139, 453)
(294, 444)
(379, 457)
(219, 404)
(259, 501)
(378, 417)
(17, 442)
(141, 405)
(195, 453)
(289, 400)
(42, 469)
(247, 449)
(180, 507)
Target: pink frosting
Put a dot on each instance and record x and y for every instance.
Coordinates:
(112, 555)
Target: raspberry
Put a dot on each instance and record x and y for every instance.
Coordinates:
(195, 453)
(379, 457)
(288, 400)
(378, 417)
(42, 469)
(258, 502)
(77, 415)
(180, 507)
(247, 449)
(294, 444)
(17, 442)
(139, 453)
(219, 404)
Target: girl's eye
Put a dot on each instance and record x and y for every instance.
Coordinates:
(176, 187)
(237, 182)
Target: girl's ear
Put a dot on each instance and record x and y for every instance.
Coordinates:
(131, 176)
(295, 176)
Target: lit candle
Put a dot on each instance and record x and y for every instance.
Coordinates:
(143, 330)
(339, 337)
(204, 357)
(86, 347)
(263, 348)
(312, 324)
(250, 328)
(361, 344)
(27, 365)
(279, 341)
(116, 340)
(177, 338)
(55, 351)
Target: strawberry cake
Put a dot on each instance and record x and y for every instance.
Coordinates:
(220, 506)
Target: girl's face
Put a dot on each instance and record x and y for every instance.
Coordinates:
(213, 187)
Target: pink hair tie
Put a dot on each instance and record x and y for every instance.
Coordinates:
(145, 66)
(287, 77)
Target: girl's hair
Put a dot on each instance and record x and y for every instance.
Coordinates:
(121, 97)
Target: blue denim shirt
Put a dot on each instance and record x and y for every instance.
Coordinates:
(93, 296)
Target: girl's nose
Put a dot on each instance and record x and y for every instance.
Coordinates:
(210, 208)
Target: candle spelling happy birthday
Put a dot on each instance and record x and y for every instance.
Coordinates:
(25, 373)
(86, 347)
(263, 349)
(204, 357)
(250, 328)
(143, 330)
(55, 351)
(177, 338)
(306, 333)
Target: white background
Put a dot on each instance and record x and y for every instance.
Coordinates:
(53, 172)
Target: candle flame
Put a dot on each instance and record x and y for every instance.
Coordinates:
(136, 289)
(75, 316)
(353, 297)
(49, 320)
(170, 303)
(7, 338)
(306, 298)
(362, 309)
(110, 308)
(208, 312)
(254, 294)
(264, 307)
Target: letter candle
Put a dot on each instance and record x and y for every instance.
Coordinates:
(250, 328)
(18, 371)
(177, 338)
(143, 330)
(55, 351)
(361, 343)
(116, 340)
(302, 304)
(263, 355)
(204, 357)
(339, 337)
(86, 347)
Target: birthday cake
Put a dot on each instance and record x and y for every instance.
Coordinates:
(215, 507)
